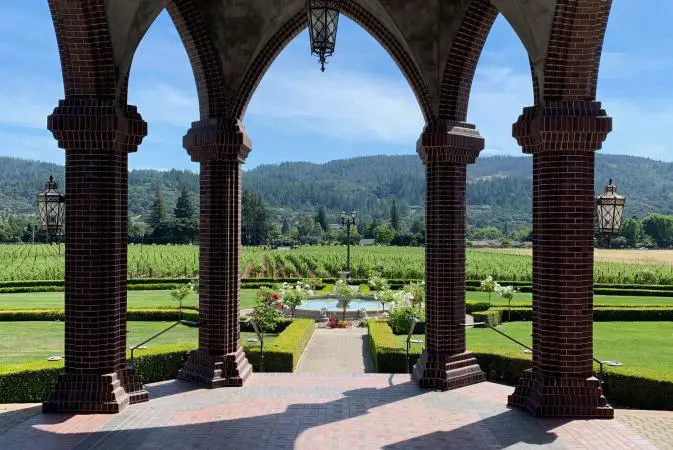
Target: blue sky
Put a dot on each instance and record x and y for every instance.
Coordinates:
(360, 106)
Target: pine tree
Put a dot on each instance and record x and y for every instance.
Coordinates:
(158, 211)
(321, 218)
(285, 229)
(394, 216)
(186, 224)
(184, 208)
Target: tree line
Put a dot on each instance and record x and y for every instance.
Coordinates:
(653, 230)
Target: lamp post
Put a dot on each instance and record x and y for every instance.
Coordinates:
(51, 209)
(348, 222)
(323, 20)
(609, 211)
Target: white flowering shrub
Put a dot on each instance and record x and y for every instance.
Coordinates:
(405, 308)
(506, 292)
(378, 283)
(384, 297)
(488, 285)
(292, 296)
(417, 292)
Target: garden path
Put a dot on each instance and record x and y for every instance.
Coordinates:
(339, 350)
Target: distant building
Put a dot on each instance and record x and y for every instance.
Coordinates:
(487, 243)
(367, 241)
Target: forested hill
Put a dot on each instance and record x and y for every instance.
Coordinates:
(499, 187)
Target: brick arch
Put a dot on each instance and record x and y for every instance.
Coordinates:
(85, 48)
(456, 83)
(298, 22)
(203, 57)
(574, 51)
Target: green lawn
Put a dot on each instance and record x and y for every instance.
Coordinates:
(162, 299)
(136, 299)
(36, 341)
(526, 299)
(646, 346)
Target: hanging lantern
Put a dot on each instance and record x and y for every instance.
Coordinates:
(50, 209)
(323, 20)
(609, 211)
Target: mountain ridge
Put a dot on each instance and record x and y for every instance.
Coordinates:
(499, 189)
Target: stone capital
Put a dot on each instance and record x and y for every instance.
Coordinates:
(453, 142)
(562, 126)
(85, 123)
(217, 140)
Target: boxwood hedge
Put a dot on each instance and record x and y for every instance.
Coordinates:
(622, 313)
(32, 382)
(625, 388)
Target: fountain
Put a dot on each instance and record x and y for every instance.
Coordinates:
(319, 307)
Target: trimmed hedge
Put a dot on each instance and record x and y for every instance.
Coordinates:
(32, 382)
(388, 356)
(499, 314)
(644, 314)
(146, 315)
(634, 292)
(625, 388)
(496, 315)
(472, 306)
(27, 289)
(285, 352)
(280, 326)
(20, 286)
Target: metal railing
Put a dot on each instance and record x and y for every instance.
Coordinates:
(181, 321)
(260, 338)
(600, 363)
(414, 321)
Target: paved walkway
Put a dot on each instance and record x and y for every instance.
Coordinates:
(337, 351)
(311, 411)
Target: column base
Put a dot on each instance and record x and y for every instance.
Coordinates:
(211, 371)
(561, 397)
(447, 371)
(107, 393)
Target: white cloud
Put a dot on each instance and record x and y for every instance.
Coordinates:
(344, 104)
(27, 145)
(622, 65)
(163, 103)
(498, 97)
(27, 101)
(642, 128)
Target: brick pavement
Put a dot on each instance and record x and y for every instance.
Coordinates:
(337, 351)
(321, 411)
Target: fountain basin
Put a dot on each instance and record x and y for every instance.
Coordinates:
(313, 308)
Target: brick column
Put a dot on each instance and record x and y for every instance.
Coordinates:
(221, 147)
(563, 138)
(445, 363)
(97, 137)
